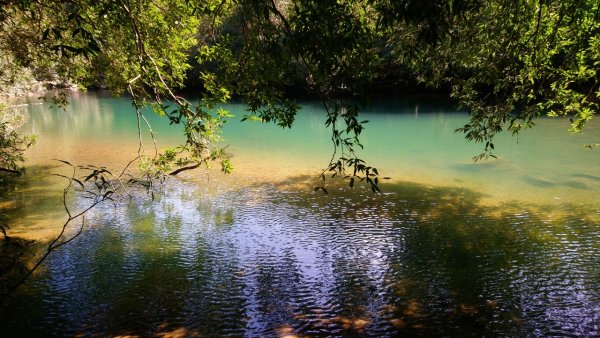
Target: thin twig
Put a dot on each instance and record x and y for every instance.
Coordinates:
(55, 244)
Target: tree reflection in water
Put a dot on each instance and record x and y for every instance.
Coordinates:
(275, 260)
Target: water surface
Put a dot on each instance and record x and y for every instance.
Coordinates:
(452, 248)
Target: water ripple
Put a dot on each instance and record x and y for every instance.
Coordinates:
(263, 262)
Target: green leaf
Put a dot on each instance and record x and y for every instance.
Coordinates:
(65, 162)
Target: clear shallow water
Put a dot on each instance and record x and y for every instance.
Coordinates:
(510, 247)
(406, 140)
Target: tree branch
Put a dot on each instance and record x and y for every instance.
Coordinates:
(12, 171)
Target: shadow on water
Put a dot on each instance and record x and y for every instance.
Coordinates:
(33, 212)
(577, 182)
(538, 182)
(458, 267)
(276, 259)
(32, 201)
(586, 176)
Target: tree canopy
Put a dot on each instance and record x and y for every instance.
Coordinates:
(507, 62)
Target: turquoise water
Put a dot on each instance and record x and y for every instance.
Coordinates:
(406, 140)
(450, 248)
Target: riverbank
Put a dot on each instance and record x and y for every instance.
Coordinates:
(35, 89)
(17, 82)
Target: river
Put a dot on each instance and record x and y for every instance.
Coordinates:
(449, 248)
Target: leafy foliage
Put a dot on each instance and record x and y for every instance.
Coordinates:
(507, 62)
(12, 144)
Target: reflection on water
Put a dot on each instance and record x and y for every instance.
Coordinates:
(83, 111)
(247, 256)
(406, 140)
(256, 261)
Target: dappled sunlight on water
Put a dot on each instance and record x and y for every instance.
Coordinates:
(260, 253)
(259, 260)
